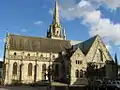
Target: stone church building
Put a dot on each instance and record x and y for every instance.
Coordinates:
(27, 58)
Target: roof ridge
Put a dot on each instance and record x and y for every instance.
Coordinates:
(36, 37)
(86, 45)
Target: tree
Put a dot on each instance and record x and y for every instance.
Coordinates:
(91, 70)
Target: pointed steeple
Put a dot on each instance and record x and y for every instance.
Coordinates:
(56, 14)
(55, 30)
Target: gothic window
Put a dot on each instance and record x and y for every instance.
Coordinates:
(76, 61)
(44, 72)
(28, 54)
(41, 56)
(30, 69)
(21, 71)
(14, 53)
(35, 72)
(14, 68)
(101, 54)
(53, 56)
(57, 32)
(77, 73)
(81, 73)
(43, 67)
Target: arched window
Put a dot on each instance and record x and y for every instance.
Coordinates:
(35, 72)
(77, 73)
(53, 56)
(14, 53)
(57, 32)
(101, 54)
(76, 62)
(81, 73)
(14, 68)
(30, 69)
(41, 56)
(44, 68)
(28, 54)
(21, 67)
(44, 72)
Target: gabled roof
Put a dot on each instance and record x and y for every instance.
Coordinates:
(38, 44)
(86, 45)
(71, 51)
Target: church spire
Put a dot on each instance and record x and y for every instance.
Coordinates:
(56, 14)
(55, 30)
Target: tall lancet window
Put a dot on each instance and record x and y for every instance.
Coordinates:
(101, 54)
(15, 68)
(30, 69)
(44, 72)
(77, 73)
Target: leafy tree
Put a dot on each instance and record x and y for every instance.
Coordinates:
(91, 70)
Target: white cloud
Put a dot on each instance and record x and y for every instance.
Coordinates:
(103, 27)
(109, 47)
(92, 17)
(38, 22)
(73, 10)
(112, 4)
(89, 11)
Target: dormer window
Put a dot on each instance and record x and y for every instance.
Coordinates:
(14, 53)
(28, 54)
(41, 56)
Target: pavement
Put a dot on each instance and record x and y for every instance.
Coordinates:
(22, 88)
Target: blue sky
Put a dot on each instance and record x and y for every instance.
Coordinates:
(81, 19)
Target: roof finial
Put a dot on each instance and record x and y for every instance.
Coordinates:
(56, 14)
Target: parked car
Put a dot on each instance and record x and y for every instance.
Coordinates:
(114, 84)
(98, 83)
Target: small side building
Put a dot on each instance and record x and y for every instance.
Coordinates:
(1, 71)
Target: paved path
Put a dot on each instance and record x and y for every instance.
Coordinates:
(22, 88)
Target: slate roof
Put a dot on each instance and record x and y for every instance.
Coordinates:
(86, 45)
(38, 44)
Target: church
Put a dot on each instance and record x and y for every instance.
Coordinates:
(27, 59)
